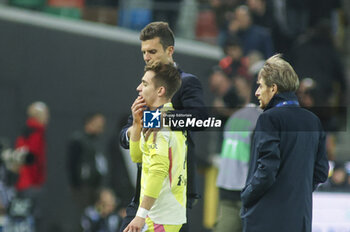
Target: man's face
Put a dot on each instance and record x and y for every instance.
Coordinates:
(106, 203)
(264, 93)
(234, 51)
(152, 51)
(219, 83)
(147, 89)
(97, 125)
(256, 5)
(306, 98)
(242, 18)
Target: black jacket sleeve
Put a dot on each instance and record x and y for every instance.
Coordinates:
(124, 142)
(191, 97)
(321, 163)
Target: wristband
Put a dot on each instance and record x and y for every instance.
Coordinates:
(142, 212)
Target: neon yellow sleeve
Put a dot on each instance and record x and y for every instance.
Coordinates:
(157, 173)
(159, 166)
(135, 151)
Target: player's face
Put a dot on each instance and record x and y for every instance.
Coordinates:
(147, 88)
(264, 93)
(153, 50)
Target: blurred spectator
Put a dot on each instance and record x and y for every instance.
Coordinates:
(225, 102)
(6, 191)
(255, 63)
(7, 179)
(223, 12)
(226, 94)
(234, 63)
(307, 93)
(309, 97)
(235, 155)
(261, 12)
(338, 182)
(29, 161)
(291, 19)
(87, 166)
(102, 216)
(253, 37)
(166, 11)
(33, 173)
(322, 9)
(315, 56)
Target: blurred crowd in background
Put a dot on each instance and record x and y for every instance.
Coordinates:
(248, 31)
(310, 34)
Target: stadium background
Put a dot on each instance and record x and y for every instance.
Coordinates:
(76, 67)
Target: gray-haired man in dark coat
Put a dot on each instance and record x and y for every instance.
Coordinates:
(288, 156)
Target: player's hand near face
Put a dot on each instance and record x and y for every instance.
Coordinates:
(137, 109)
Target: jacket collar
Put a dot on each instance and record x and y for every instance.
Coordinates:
(281, 97)
(33, 123)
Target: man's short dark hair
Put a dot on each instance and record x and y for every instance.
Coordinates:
(161, 30)
(91, 116)
(166, 75)
(232, 41)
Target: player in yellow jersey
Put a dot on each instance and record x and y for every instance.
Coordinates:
(162, 154)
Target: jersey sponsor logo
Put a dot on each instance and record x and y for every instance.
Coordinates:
(153, 146)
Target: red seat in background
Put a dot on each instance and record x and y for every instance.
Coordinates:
(66, 3)
(206, 29)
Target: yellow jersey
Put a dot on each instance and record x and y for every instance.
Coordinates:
(164, 173)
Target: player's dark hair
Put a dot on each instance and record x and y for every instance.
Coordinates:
(90, 116)
(161, 30)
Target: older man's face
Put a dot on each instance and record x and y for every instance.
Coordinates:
(264, 93)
